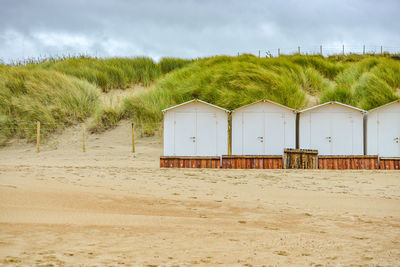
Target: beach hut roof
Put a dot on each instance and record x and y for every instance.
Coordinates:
(333, 102)
(196, 100)
(265, 101)
(385, 105)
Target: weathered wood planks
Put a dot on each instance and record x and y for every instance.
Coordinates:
(300, 159)
(389, 163)
(293, 160)
(251, 162)
(189, 162)
(348, 162)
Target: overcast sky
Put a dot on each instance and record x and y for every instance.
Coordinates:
(193, 28)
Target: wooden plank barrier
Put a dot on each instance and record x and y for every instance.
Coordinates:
(389, 163)
(352, 162)
(189, 162)
(251, 162)
(300, 159)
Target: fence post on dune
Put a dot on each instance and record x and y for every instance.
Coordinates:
(133, 137)
(38, 136)
(83, 138)
(363, 49)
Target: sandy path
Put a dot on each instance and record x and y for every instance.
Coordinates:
(109, 207)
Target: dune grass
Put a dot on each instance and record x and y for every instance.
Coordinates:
(230, 82)
(53, 98)
(168, 64)
(106, 73)
(366, 84)
(67, 90)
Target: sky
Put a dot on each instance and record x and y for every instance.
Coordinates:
(194, 28)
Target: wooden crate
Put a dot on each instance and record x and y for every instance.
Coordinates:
(189, 162)
(300, 159)
(348, 162)
(389, 163)
(251, 162)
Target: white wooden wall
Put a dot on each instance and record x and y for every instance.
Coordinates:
(195, 129)
(263, 128)
(332, 130)
(383, 131)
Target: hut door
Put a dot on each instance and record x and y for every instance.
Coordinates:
(274, 133)
(389, 135)
(185, 134)
(320, 133)
(342, 134)
(206, 134)
(253, 134)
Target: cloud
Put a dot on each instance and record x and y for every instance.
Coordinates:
(193, 28)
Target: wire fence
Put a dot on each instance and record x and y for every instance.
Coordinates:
(42, 133)
(327, 50)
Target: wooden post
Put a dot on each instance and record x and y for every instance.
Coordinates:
(363, 49)
(133, 138)
(279, 52)
(320, 49)
(343, 50)
(259, 53)
(38, 137)
(83, 138)
(381, 50)
(298, 48)
(229, 139)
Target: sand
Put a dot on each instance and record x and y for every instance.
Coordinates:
(111, 207)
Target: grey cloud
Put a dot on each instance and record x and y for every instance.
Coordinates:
(191, 28)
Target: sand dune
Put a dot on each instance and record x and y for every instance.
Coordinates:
(110, 207)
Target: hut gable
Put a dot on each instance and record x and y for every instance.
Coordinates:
(332, 106)
(195, 104)
(264, 105)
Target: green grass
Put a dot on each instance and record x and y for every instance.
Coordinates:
(53, 98)
(106, 73)
(366, 84)
(168, 64)
(230, 82)
(67, 90)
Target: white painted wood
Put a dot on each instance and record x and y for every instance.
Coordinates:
(195, 128)
(185, 133)
(333, 129)
(383, 130)
(343, 140)
(275, 138)
(253, 134)
(320, 133)
(263, 128)
(206, 134)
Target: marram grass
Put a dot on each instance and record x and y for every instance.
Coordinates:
(53, 98)
(67, 90)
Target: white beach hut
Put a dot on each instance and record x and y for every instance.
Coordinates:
(332, 128)
(195, 128)
(383, 130)
(263, 128)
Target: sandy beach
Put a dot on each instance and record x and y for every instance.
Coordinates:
(109, 207)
